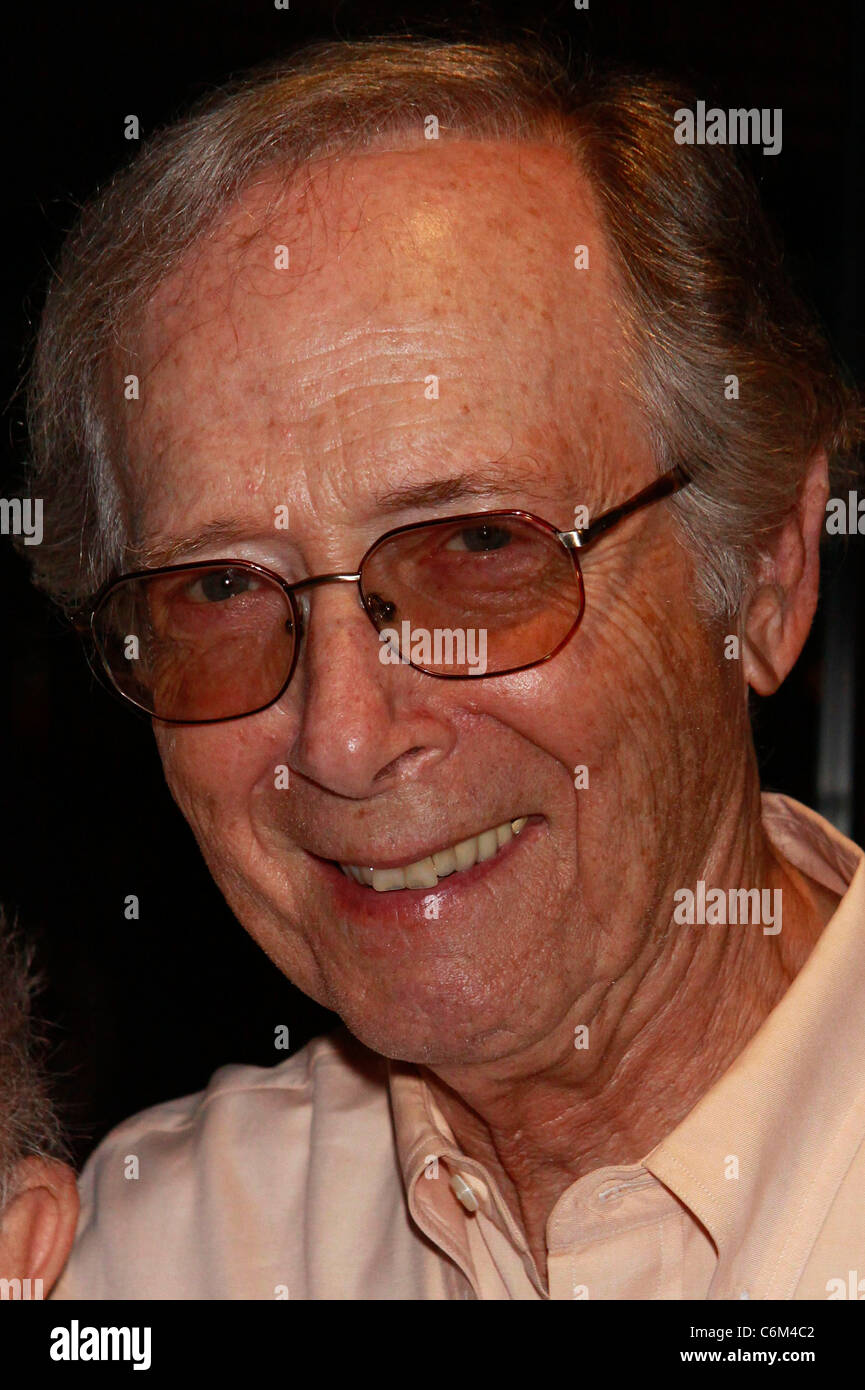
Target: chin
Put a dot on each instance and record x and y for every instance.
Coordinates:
(427, 1041)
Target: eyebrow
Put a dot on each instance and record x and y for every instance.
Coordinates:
(151, 553)
(442, 492)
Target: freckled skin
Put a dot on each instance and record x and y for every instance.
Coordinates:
(306, 387)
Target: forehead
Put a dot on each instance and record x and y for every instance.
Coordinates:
(388, 306)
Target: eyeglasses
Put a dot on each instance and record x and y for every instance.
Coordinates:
(461, 597)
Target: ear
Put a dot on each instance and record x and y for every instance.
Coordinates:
(781, 607)
(37, 1228)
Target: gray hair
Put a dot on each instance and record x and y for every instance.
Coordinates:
(701, 285)
(29, 1127)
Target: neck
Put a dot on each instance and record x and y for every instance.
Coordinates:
(660, 1036)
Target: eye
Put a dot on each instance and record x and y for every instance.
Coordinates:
(479, 539)
(218, 585)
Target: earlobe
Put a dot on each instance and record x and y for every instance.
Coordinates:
(781, 607)
(38, 1225)
(763, 639)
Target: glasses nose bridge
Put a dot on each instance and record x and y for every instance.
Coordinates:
(315, 581)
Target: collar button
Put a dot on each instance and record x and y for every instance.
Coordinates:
(463, 1192)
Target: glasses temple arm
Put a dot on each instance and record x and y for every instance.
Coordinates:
(668, 483)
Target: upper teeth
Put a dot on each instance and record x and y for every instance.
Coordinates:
(425, 873)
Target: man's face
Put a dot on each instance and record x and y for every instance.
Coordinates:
(305, 387)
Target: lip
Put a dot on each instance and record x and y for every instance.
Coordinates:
(413, 905)
(426, 853)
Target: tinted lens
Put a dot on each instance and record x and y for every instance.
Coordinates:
(473, 595)
(198, 643)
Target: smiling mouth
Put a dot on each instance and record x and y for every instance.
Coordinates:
(426, 873)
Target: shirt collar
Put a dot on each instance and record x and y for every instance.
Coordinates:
(761, 1155)
(785, 1118)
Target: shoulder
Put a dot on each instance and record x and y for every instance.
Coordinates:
(330, 1070)
(175, 1194)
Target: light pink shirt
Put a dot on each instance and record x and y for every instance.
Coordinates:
(331, 1175)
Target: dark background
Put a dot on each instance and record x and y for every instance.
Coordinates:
(142, 1011)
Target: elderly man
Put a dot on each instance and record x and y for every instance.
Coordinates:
(450, 459)
(38, 1196)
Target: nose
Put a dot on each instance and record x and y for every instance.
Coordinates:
(363, 726)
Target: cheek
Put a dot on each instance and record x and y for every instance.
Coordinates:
(603, 689)
(639, 699)
(215, 772)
